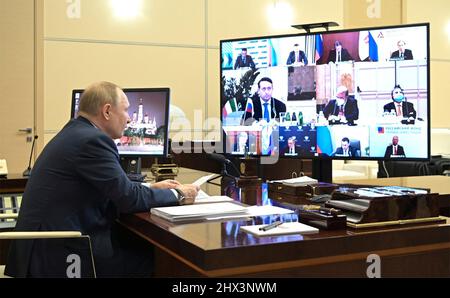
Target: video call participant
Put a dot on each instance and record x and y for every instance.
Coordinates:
(402, 53)
(345, 149)
(244, 60)
(293, 149)
(343, 109)
(394, 150)
(297, 56)
(338, 54)
(242, 142)
(399, 104)
(78, 184)
(264, 105)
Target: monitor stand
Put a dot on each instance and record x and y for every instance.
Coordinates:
(322, 170)
(132, 167)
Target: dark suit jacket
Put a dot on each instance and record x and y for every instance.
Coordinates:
(302, 57)
(277, 108)
(345, 56)
(240, 63)
(390, 151)
(407, 109)
(351, 110)
(352, 151)
(408, 55)
(77, 184)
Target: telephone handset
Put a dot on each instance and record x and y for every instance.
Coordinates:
(3, 168)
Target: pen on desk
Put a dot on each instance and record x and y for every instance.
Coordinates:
(271, 226)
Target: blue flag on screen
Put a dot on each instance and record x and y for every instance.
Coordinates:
(373, 48)
(324, 144)
(319, 46)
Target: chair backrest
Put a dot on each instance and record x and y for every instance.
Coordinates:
(62, 254)
(357, 145)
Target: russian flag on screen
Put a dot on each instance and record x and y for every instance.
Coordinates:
(324, 144)
(373, 48)
(380, 130)
(319, 46)
(368, 47)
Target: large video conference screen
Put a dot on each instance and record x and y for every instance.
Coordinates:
(359, 94)
(147, 132)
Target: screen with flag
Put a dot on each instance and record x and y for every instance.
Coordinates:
(346, 94)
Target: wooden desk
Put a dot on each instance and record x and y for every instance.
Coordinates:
(13, 183)
(221, 249)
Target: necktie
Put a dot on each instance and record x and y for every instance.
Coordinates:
(399, 110)
(266, 112)
(341, 110)
(395, 150)
(292, 151)
(401, 55)
(243, 60)
(297, 56)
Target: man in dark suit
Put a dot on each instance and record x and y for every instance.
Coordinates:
(77, 184)
(343, 109)
(293, 149)
(345, 149)
(399, 104)
(339, 54)
(394, 150)
(402, 53)
(297, 56)
(244, 60)
(265, 106)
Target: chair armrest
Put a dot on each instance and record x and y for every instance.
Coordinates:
(40, 235)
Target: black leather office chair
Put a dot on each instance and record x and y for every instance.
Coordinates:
(357, 145)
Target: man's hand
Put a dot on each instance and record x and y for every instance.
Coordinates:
(166, 184)
(190, 192)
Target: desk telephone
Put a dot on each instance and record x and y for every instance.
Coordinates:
(3, 168)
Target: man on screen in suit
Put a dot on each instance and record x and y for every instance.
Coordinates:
(293, 149)
(244, 60)
(394, 150)
(399, 104)
(402, 53)
(338, 54)
(77, 184)
(265, 107)
(297, 56)
(343, 109)
(345, 149)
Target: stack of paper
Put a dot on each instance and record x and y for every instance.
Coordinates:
(299, 181)
(200, 211)
(283, 229)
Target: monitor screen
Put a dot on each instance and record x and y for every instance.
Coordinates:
(350, 94)
(147, 133)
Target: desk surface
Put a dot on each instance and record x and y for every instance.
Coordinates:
(220, 248)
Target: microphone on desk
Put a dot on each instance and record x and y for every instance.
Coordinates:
(27, 172)
(224, 161)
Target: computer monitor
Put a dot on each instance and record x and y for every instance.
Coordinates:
(359, 94)
(147, 133)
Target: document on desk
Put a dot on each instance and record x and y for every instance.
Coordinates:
(203, 179)
(199, 211)
(299, 181)
(283, 229)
